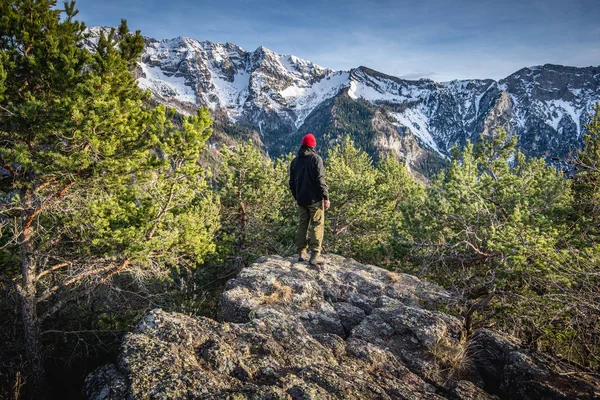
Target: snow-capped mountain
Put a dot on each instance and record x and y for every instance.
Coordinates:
(546, 106)
(283, 96)
(187, 73)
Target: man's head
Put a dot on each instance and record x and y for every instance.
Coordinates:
(309, 140)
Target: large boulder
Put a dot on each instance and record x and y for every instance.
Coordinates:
(516, 373)
(341, 331)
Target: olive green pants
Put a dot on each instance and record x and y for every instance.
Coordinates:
(311, 225)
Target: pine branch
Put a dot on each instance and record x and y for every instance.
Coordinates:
(162, 212)
(48, 203)
(63, 302)
(52, 269)
(50, 291)
(7, 110)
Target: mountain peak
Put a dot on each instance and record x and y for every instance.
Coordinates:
(279, 95)
(263, 50)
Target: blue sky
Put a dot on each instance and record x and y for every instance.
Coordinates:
(437, 39)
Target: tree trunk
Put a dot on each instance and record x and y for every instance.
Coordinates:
(31, 341)
(243, 223)
(27, 302)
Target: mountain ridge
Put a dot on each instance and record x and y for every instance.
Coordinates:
(547, 106)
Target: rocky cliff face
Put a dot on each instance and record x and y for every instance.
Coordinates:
(342, 331)
(283, 97)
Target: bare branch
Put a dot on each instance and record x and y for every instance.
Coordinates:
(453, 246)
(50, 291)
(43, 185)
(121, 267)
(63, 302)
(162, 212)
(52, 269)
(7, 110)
(48, 203)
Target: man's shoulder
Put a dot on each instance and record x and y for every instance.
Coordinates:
(314, 155)
(311, 157)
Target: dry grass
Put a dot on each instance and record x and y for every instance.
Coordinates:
(279, 294)
(393, 277)
(453, 359)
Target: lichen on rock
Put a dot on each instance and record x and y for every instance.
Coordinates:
(342, 331)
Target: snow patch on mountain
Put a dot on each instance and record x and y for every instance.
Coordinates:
(231, 95)
(167, 86)
(304, 99)
(378, 89)
(417, 122)
(303, 69)
(561, 108)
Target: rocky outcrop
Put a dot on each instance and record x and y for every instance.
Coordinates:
(341, 331)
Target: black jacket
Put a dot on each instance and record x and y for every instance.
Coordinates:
(307, 177)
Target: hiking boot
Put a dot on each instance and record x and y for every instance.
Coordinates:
(303, 256)
(316, 259)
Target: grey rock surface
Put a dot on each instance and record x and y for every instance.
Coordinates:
(341, 331)
(515, 373)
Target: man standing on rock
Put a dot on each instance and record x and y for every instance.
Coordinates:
(307, 183)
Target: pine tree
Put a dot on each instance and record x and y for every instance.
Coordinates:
(397, 192)
(493, 227)
(351, 177)
(367, 200)
(586, 184)
(257, 206)
(93, 183)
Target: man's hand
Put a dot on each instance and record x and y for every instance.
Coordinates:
(326, 204)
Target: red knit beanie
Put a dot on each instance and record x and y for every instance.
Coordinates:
(309, 140)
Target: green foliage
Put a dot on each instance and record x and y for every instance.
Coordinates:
(367, 200)
(351, 178)
(494, 228)
(96, 186)
(75, 122)
(257, 206)
(164, 213)
(586, 185)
